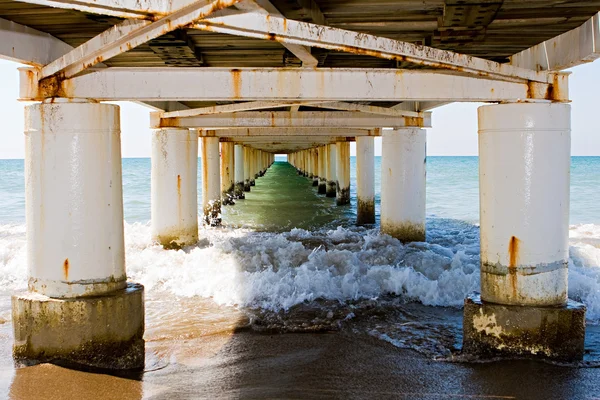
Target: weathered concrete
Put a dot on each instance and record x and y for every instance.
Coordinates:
(102, 331)
(330, 172)
(174, 189)
(74, 204)
(524, 163)
(365, 180)
(403, 184)
(239, 172)
(315, 166)
(247, 166)
(549, 332)
(227, 173)
(322, 166)
(211, 181)
(342, 182)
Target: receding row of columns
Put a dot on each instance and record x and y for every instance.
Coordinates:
(80, 307)
(228, 171)
(402, 179)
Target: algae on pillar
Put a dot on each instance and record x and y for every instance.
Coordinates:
(211, 181)
(227, 173)
(524, 160)
(342, 169)
(403, 184)
(239, 172)
(330, 173)
(79, 308)
(174, 187)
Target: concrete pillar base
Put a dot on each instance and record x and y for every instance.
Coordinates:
(365, 211)
(247, 185)
(212, 213)
(102, 331)
(252, 182)
(239, 191)
(227, 199)
(556, 333)
(343, 196)
(331, 190)
(322, 187)
(404, 232)
(315, 182)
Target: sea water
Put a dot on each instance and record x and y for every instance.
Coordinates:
(291, 260)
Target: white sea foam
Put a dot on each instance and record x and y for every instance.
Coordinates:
(276, 271)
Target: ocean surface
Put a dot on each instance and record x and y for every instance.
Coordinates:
(289, 260)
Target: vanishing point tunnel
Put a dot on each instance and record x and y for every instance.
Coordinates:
(245, 79)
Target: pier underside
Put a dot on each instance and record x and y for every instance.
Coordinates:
(242, 80)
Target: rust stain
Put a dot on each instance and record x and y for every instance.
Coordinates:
(513, 259)
(179, 185)
(237, 83)
(530, 89)
(66, 269)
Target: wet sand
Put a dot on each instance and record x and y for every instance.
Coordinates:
(247, 364)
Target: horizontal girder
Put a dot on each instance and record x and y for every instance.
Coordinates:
(284, 84)
(266, 134)
(289, 119)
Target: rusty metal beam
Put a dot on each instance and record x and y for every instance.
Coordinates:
(266, 134)
(287, 119)
(578, 46)
(136, 9)
(254, 25)
(266, 8)
(236, 107)
(285, 84)
(127, 35)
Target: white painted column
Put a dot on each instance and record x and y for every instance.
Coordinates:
(253, 170)
(239, 172)
(174, 189)
(403, 184)
(342, 170)
(247, 167)
(322, 170)
(315, 166)
(365, 180)
(330, 173)
(524, 161)
(211, 181)
(74, 204)
(227, 173)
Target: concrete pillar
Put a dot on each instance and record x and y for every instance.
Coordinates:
(342, 169)
(211, 181)
(524, 161)
(365, 180)
(227, 173)
(247, 166)
(403, 184)
(79, 307)
(253, 169)
(322, 170)
(330, 173)
(174, 188)
(239, 172)
(315, 166)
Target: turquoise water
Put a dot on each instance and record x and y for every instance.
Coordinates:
(452, 189)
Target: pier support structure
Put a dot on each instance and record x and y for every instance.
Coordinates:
(365, 180)
(227, 173)
(403, 184)
(322, 187)
(524, 161)
(247, 168)
(239, 172)
(79, 308)
(330, 172)
(343, 173)
(174, 187)
(211, 181)
(315, 166)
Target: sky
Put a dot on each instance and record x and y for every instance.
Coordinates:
(454, 131)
